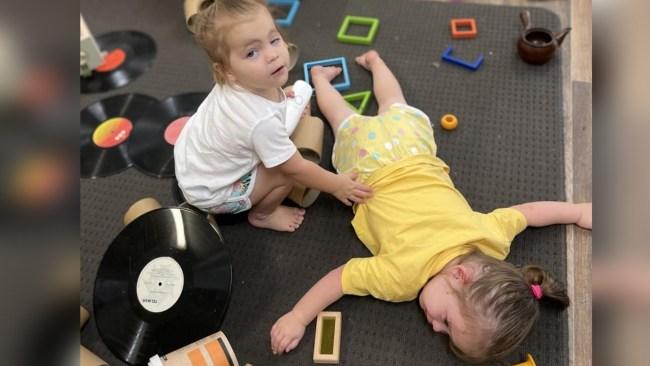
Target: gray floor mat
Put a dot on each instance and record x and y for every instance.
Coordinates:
(507, 149)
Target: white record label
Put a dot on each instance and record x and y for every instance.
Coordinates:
(160, 284)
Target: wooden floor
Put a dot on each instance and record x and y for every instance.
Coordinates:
(577, 84)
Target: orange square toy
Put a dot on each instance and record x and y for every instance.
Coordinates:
(458, 33)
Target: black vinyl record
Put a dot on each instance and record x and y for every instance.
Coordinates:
(152, 145)
(105, 128)
(163, 283)
(128, 55)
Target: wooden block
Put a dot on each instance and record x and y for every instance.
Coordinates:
(83, 316)
(327, 344)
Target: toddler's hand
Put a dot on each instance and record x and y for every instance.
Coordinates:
(289, 91)
(350, 191)
(286, 333)
(585, 218)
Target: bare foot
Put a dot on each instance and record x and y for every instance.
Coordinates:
(367, 59)
(282, 219)
(328, 72)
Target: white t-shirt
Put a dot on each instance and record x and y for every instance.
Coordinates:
(232, 131)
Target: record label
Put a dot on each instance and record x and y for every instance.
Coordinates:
(112, 61)
(160, 284)
(174, 129)
(112, 132)
(107, 128)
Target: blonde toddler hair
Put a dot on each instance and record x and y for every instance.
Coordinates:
(212, 25)
(501, 305)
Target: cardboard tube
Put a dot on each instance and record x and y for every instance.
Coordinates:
(308, 138)
(303, 196)
(190, 8)
(88, 358)
(140, 208)
(211, 350)
(83, 316)
(294, 52)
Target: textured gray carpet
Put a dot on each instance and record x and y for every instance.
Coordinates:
(507, 149)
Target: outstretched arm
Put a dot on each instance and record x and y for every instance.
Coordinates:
(544, 213)
(287, 331)
(342, 186)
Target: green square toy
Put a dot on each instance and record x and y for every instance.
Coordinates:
(373, 23)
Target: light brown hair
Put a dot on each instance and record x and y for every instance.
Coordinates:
(500, 304)
(211, 28)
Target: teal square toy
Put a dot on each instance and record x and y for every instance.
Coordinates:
(373, 23)
(293, 9)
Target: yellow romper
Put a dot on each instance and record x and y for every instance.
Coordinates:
(366, 144)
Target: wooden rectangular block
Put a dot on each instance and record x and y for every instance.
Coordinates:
(327, 343)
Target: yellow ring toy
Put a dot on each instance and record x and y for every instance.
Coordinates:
(449, 122)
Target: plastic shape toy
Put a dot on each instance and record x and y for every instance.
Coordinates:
(458, 33)
(373, 23)
(446, 56)
(293, 9)
(449, 122)
(363, 96)
(344, 85)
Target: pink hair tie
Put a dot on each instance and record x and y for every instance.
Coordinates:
(537, 291)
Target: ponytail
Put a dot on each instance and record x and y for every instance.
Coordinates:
(551, 289)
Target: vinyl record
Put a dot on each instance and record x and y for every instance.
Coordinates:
(163, 283)
(152, 144)
(105, 129)
(128, 55)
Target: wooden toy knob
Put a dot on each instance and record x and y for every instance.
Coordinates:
(449, 122)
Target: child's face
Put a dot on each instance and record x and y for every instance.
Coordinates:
(259, 57)
(442, 307)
